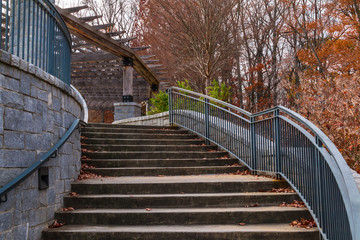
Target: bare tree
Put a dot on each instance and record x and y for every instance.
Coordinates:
(198, 32)
(123, 13)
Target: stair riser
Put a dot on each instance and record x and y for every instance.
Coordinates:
(155, 188)
(164, 202)
(153, 155)
(163, 171)
(155, 218)
(310, 235)
(140, 148)
(141, 142)
(159, 163)
(130, 130)
(139, 136)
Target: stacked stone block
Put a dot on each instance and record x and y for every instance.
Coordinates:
(36, 109)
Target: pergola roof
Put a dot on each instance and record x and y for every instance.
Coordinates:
(96, 65)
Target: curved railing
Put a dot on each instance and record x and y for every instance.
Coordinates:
(34, 31)
(280, 141)
(53, 151)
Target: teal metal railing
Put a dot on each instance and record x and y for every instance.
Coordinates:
(34, 31)
(279, 141)
(27, 172)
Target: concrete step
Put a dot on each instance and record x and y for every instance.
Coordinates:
(181, 232)
(153, 148)
(221, 183)
(175, 200)
(115, 141)
(190, 162)
(152, 155)
(183, 216)
(133, 130)
(141, 136)
(165, 171)
(106, 125)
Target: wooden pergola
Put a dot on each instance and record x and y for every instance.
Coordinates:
(97, 63)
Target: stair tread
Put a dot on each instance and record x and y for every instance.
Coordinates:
(114, 152)
(180, 195)
(159, 159)
(150, 168)
(209, 178)
(273, 227)
(173, 210)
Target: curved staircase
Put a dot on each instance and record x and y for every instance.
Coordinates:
(165, 183)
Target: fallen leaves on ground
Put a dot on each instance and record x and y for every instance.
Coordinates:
(73, 194)
(68, 209)
(280, 190)
(84, 150)
(85, 166)
(295, 203)
(56, 224)
(85, 158)
(242, 224)
(212, 150)
(238, 172)
(224, 157)
(83, 137)
(87, 175)
(148, 209)
(233, 165)
(303, 223)
(253, 205)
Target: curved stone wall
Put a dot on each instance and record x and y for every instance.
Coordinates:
(35, 111)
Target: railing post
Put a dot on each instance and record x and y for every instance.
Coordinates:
(277, 144)
(253, 145)
(319, 190)
(207, 125)
(171, 120)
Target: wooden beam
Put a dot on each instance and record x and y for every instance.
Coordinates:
(102, 26)
(85, 45)
(90, 18)
(117, 33)
(147, 56)
(75, 9)
(90, 34)
(140, 48)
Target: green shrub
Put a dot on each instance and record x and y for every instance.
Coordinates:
(160, 103)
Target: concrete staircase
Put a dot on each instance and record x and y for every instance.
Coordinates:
(165, 183)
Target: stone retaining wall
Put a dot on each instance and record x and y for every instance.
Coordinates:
(160, 119)
(36, 109)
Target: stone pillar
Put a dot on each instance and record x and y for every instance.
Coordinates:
(126, 110)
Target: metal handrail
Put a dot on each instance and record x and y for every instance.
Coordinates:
(53, 151)
(34, 31)
(306, 158)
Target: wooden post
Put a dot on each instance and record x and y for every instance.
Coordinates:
(128, 76)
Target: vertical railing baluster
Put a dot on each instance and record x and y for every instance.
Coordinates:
(24, 28)
(207, 129)
(12, 26)
(253, 145)
(28, 33)
(18, 29)
(277, 143)
(171, 121)
(7, 27)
